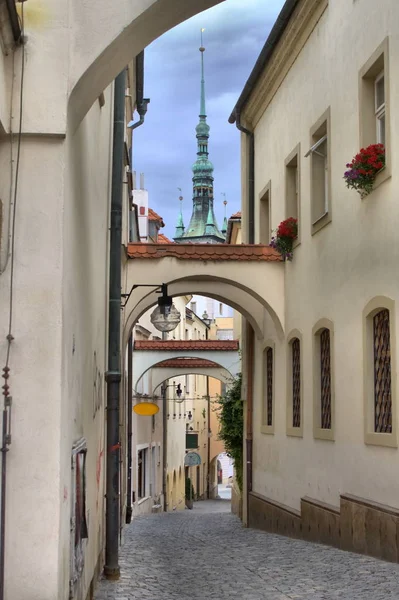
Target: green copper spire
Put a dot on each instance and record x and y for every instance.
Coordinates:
(180, 224)
(210, 228)
(199, 230)
(202, 102)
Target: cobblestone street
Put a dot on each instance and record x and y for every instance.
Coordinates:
(206, 553)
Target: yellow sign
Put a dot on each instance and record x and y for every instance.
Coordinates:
(146, 409)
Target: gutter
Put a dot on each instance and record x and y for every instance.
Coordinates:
(264, 56)
(14, 20)
(251, 177)
(141, 104)
(113, 374)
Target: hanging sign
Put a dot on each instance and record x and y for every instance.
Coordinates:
(146, 409)
(192, 459)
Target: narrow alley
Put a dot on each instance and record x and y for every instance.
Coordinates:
(206, 553)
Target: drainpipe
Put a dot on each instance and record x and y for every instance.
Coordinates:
(129, 508)
(141, 102)
(164, 444)
(249, 428)
(251, 178)
(113, 375)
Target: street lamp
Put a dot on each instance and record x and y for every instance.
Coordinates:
(165, 317)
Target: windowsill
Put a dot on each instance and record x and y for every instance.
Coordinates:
(381, 439)
(295, 432)
(297, 242)
(321, 222)
(384, 174)
(267, 429)
(323, 434)
(141, 500)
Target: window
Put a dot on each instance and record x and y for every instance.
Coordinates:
(79, 529)
(296, 382)
(379, 385)
(292, 198)
(379, 97)
(374, 105)
(264, 215)
(187, 384)
(268, 403)
(323, 426)
(320, 173)
(142, 473)
(325, 379)
(294, 385)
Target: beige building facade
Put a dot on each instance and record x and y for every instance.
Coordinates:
(58, 345)
(324, 418)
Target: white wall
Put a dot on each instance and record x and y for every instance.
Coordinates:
(335, 272)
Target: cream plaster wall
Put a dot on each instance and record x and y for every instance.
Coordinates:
(335, 272)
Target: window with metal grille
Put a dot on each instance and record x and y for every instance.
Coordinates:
(382, 373)
(296, 382)
(269, 387)
(325, 379)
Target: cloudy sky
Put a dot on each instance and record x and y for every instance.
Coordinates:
(165, 146)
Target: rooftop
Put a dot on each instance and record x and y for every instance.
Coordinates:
(162, 239)
(201, 345)
(215, 252)
(236, 215)
(153, 216)
(187, 363)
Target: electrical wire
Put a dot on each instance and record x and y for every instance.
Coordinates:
(13, 227)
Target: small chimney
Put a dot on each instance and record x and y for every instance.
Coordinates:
(141, 181)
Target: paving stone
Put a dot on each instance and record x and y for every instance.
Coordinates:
(206, 554)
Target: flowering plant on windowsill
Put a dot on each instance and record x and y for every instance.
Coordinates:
(364, 167)
(284, 236)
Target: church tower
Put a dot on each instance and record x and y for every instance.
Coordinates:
(203, 228)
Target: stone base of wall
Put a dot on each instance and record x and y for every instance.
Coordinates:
(358, 525)
(236, 501)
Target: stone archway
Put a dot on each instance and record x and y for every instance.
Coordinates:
(118, 32)
(248, 278)
(228, 362)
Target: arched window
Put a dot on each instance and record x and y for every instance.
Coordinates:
(268, 390)
(379, 384)
(323, 394)
(294, 385)
(382, 373)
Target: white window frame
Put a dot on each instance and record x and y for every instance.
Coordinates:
(313, 150)
(379, 110)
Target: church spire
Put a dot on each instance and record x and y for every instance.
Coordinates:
(199, 230)
(225, 224)
(180, 224)
(202, 102)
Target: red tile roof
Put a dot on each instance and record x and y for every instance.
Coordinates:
(236, 215)
(199, 345)
(216, 252)
(187, 363)
(153, 216)
(162, 239)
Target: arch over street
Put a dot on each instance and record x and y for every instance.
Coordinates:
(223, 353)
(217, 271)
(118, 32)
